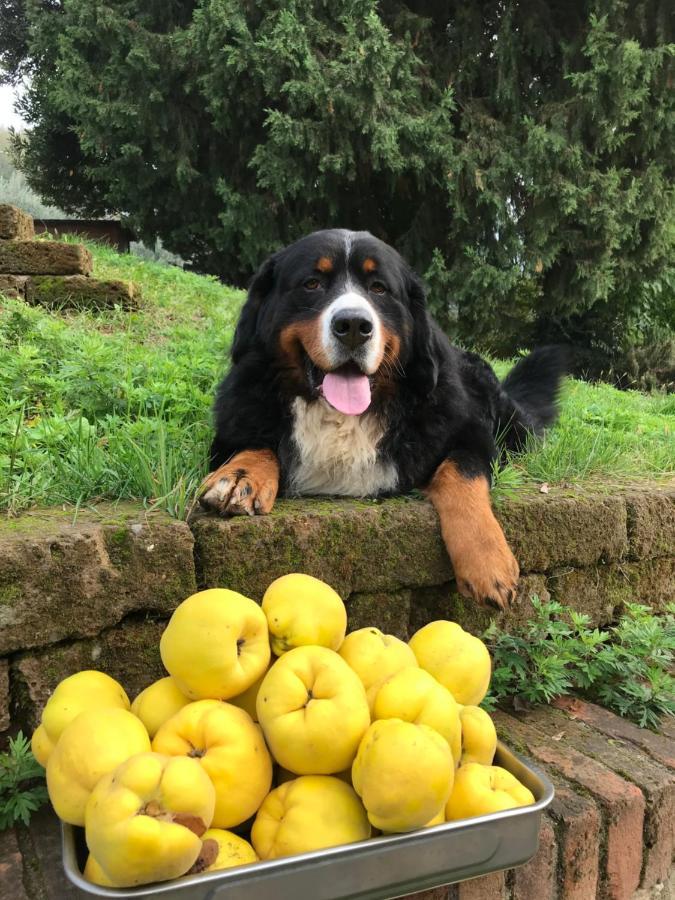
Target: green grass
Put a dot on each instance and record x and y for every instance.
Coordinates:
(118, 404)
(113, 405)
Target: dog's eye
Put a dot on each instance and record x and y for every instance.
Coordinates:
(312, 284)
(378, 288)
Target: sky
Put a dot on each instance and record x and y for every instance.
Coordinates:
(7, 115)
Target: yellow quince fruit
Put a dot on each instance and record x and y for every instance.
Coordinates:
(479, 790)
(157, 703)
(303, 611)
(84, 690)
(374, 657)
(479, 736)
(230, 748)
(145, 820)
(248, 698)
(94, 873)
(223, 849)
(215, 645)
(313, 710)
(403, 774)
(438, 819)
(94, 743)
(415, 696)
(309, 813)
(454, 657)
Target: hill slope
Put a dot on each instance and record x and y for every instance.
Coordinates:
(117, 405)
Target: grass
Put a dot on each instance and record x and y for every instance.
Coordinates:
(117, 405)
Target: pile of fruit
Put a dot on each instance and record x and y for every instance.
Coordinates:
(274, 724)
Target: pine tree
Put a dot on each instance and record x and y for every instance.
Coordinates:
(518, 153)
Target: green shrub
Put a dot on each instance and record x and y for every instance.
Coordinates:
(22, 787)
(625, 667)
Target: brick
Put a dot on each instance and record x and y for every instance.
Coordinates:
(44, 258)
(61, 580)
(11, 867)
(13, 286)
(623, 806)
(15, 224)
(4, 694)
(129, 652)
(577, 826)
(390, 612)
(440, 893)
(488, 887)
(651, 522)
(537, 879)
(657, 746)
(79, 291)
(655, 781)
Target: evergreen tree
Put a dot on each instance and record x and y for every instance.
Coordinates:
(518, 153)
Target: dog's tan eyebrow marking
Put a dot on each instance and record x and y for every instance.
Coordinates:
(324, 264)
(369, 265)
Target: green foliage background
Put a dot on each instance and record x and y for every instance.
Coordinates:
(518, 153)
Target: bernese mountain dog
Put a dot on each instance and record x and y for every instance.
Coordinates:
(341, 384)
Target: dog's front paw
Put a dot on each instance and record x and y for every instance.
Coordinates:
(487, 571)
(246, 485)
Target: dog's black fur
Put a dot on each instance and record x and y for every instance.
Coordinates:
(441, 402)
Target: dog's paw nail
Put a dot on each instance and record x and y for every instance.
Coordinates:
(495, 604)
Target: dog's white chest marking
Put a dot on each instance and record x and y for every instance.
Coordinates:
(337, 454)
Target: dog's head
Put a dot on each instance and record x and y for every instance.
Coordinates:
(343, 316)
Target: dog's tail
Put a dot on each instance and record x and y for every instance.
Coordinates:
(529, 394)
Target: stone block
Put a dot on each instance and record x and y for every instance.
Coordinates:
(80, 292)
(15, 224)
(13, 286)
(390, 612)
(128, 652)
(546, 531)
(11, 865)
(4, 694)
(355, 546)
(44, 258)
(61, 580)
(651, 522)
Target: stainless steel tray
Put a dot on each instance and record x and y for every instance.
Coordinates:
(378, 869)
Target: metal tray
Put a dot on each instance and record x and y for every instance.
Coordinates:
(381, 868)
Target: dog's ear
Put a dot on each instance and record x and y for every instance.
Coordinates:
(422, 369)
(247, 326)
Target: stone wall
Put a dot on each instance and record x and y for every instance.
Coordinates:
(52, 273)
(94, 590)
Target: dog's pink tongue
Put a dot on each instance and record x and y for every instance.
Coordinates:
(350, 394)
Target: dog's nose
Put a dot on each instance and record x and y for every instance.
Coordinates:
(352, 327)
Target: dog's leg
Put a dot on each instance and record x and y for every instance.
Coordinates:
(245, 485)
(485, 568)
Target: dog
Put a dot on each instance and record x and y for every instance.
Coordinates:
(341, 384)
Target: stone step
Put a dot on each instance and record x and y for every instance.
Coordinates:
(80, 291)
(44, 258)
(15, 224)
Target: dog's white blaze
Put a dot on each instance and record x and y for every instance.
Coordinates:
(338, 453)
(351, 300)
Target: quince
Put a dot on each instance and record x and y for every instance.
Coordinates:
(479, 790)
(309, 813)
(144, 820)
(415, 696)
(84, 690)
(479, 736)
(403, 774)
(157, 703)
(94, 743)
(230, 748)
(247, 699)
(223, 849)
(374, 657)
(438, 819)
(215, 645)
(303, 611)
(454, 657)
(94, 873)
(313, 711)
